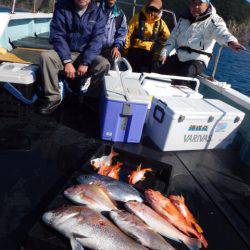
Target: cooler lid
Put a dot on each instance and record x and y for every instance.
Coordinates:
(228, 110)
(17, 73)
(125, 89)
(176, 106)
(160, 89)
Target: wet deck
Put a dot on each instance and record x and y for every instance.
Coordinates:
(38, 155)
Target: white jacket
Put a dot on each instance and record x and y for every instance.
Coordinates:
(200, 35)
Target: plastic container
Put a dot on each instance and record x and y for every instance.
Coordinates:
(124, 107)
(177, 123)
(17, 88)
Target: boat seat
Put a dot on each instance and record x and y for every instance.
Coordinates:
(44, 35)
(22, 55)
(39, 42)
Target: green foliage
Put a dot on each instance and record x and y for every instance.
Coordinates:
(238, 10)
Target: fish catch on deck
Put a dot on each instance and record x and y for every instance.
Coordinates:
(167, 210)
(94, 197)
(138, 175)
(103, 161)
(136, 228)
(179, 203)
(111, 171)
(160, 225)
(117, 190)
(87, 228)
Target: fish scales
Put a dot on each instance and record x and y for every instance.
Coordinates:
(87, 228)
(94, 197)
(136, 228)
(160, 225)
(117, 190)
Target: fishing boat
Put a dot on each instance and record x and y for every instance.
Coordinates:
(38, 155)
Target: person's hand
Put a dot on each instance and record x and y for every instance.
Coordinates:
(69, 70)
(82, 70)
(163, 59)
(235, 46)
(115, 53)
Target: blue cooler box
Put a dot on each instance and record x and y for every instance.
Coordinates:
(123, 108)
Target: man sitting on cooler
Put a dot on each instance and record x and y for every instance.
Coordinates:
(194, 37)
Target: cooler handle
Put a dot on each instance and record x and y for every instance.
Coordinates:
(121, 74)
(17, 94)
(162, 112)
(125, 61)
(170, 77)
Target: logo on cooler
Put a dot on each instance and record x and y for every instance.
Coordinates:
(197, 138)
(221, 127)
(202, 128)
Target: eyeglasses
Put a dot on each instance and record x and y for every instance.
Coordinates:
(152, 9)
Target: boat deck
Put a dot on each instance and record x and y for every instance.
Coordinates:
(38, 155)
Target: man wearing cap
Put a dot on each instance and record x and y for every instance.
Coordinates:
(194, 37)
(147, 35)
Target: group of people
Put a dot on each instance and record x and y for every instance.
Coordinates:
(89, 35)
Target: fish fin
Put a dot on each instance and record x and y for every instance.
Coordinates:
(75, 245)
(198, 228)
(192, 243)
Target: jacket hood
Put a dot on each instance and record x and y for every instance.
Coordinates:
(115, 9)
(147, 16)
(209, 12)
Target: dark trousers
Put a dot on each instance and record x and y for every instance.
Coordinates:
(174, 66)
(140, 60)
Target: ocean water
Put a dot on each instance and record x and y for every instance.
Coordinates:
(233, 68)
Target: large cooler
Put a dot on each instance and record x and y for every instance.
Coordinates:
(123, 109)
(16, 88)
(177, 123)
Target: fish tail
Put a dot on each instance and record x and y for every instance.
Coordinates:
(192, 243)
(203, 241)
(112, 154)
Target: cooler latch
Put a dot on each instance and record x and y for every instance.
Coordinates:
(126, 109)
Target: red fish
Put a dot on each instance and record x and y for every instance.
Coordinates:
(105, 160)
(179, 203)
(167, 210)
(104, 170)
(114, 172)
(138, 175)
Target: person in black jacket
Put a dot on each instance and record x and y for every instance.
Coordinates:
(77, 31)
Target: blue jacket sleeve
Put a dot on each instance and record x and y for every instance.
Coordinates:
(121, 34)
(58, 33)
(95, 44)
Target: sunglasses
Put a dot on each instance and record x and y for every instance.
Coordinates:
(152, 9)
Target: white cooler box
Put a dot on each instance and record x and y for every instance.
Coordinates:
(157, 85)
(17, 84)
(177, 123)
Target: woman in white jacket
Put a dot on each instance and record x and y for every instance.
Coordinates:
(194, 37)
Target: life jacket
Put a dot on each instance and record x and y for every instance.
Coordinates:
(140, 32)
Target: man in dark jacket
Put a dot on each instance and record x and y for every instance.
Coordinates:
(77, 31)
